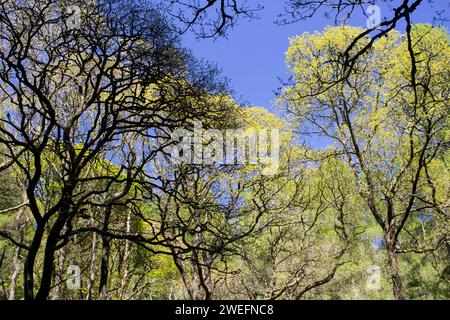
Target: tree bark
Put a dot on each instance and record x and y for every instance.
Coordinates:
(394, 268)
(12, 289)
(93, 262)
(104, 267)
(126, 254)
(30, 261)
(16, 258)
(49, 256)
(58, 292)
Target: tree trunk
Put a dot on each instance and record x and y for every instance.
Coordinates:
(93, 262)
(189, 282)
(126, 254)
(58, 292)
(104, 267)
(16, 258)
(28, 273)
(395, 270)
(49, 257)
(12, 289)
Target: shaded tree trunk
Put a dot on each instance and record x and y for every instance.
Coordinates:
(93, 263)
(106, 251)
(30, 260)
(191, 285)
(49, 255)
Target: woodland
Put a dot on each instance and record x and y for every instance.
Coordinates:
(93, 208)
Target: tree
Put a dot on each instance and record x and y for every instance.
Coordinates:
(388, 130)
(96, 98)
(213, 19)
(88, 96)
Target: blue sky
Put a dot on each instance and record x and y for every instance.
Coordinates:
(253, 55)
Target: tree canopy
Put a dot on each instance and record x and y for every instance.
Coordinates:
(130, 171)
